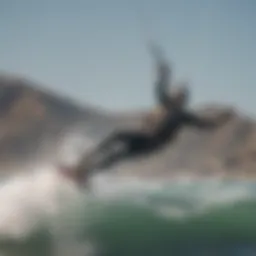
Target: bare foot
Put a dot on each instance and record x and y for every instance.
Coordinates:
(70, 173)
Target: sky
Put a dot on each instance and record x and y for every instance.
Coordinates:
(94, 51)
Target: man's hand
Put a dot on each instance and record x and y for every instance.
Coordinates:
(209, 121)
(225, 116)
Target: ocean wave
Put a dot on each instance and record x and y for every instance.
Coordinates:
(43, 214)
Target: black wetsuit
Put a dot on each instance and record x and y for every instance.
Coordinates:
(137, 143)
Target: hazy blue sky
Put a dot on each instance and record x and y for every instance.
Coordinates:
(95, 51)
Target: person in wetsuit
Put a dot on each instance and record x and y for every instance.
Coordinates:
(126, 144)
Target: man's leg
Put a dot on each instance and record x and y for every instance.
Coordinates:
(103, 156)
(113, 149)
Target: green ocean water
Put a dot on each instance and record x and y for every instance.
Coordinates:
(180, 220)
(169, 218)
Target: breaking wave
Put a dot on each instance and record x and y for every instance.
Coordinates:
(43, 214)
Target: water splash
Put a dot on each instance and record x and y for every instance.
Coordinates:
(43, 202)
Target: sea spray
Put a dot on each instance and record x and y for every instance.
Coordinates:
(32, 204)
(29, 198)
(74, 145)
(43, 213)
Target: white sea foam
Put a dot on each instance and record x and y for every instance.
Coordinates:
(43, 198)
(27, 199)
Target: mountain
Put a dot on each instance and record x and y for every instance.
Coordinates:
(230, 150)
(33, 121)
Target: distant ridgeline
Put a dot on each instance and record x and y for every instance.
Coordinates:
(29, 116)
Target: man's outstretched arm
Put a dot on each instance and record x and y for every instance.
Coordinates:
(208, 122)
(163, 76)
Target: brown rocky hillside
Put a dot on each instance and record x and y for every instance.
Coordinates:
(229, 150)
(29, 116)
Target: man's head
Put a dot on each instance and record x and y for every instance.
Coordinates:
(179, 95)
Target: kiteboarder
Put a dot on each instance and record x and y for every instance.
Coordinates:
(126, 144)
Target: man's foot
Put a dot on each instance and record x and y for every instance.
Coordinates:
(79, 178)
